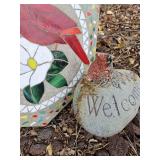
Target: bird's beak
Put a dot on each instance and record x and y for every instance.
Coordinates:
(71, 31)
(69, 36)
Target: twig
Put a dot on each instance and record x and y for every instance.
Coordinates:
(131, 144)
(77, 134)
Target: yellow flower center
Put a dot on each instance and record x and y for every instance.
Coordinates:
(32, 63)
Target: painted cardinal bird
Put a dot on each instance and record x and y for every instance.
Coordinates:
(45, 24)
(99, 70)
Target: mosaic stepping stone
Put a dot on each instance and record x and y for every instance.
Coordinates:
(49, 73)
(104, 109)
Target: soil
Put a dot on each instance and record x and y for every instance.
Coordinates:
(118, 35)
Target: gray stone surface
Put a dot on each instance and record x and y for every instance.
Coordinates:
(105, 110)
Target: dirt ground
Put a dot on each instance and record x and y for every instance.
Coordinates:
(119, 35)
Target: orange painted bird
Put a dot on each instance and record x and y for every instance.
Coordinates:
(45, 24)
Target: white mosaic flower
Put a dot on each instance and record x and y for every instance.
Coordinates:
(35, 62)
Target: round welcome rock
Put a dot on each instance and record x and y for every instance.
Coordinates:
(105, 110)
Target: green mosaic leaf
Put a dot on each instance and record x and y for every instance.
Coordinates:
(34, 94)
(59, 55)
(57, 66)
(57, 80)
(59, 63)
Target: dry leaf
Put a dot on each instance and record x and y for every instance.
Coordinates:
(131, 60)
(64, 129)
(120, 45)
(93, 141)
(66, 135)
(109, 12)
(71, 152)
(70, 130)
(136, 129)
(33, 133)
(49, 150)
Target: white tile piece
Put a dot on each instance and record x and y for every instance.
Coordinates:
(28, 46)
(24, 69)
(33, 123)
(86, 34)
(71, 84)
(84, 40)
(38, 107)
(30, 108)
(77, 6)
(42, 107)
(24, 110)
(62, 94)
(65, 91)
(40, 58)
(84, 31)
(82, 16)
(81, 67)
(85, 25)
(82, 22)
(49, 103)
(33, 110)
(47, 118)
(79, 75)
(74, 82)
(40, 74)
(95, 36)
(94, 22)
(53, 98)
(59, 95)
(69, 90)
(22, 106)
(45, 103)
(24, 79)
(75, 78)
(78, 12)
(90, 52)
(24, 56)
(56, 99)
